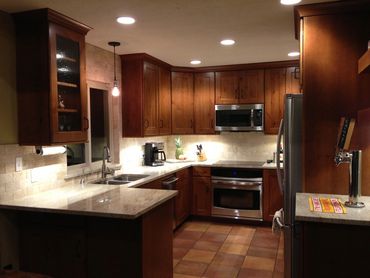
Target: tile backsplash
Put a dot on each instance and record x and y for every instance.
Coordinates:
(227, 146)
(39, 173)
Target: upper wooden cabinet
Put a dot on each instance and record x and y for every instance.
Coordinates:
(182, 103)
(204, 103)
(51, 78)
(278, 82)
(239, 87)
(146, 99)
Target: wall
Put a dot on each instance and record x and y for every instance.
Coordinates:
(8, 105)
(252, 146)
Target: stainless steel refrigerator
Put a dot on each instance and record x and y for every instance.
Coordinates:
(290, 180)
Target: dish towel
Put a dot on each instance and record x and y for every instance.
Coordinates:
(275, 226)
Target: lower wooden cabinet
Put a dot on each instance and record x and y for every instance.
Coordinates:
(182, 200)
(202, 193)
(272, 196)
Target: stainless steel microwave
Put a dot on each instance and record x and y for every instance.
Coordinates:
(243, 117)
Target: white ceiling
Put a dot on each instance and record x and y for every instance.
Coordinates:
(177, 31)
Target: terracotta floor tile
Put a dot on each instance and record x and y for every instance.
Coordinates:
(219, 229)
(241, 230)
(245, 239)
(228, 259)
(194, 235)
(266, 242)
(179, 253)
(259, 263)
(207, 236)
(279, 265)
(278, 275)
(175, 262)
(262, 252)
(176, 275)
(221, 271)
(254, 273)
(197, 226)
(183, 243)
(234, 248)
(199, 256)
(207, 245)
(190, 268)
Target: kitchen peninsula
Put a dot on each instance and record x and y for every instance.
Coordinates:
(95, 231)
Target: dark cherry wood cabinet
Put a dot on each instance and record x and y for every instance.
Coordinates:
(182, 103)
(51, 78)
(201, 191)
(278, 82)
(204, 103)
(182, 200)
(272, 196)
(240, 87)
(332, 88)
(146, 102)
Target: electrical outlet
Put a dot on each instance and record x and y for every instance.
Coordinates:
(18, 164)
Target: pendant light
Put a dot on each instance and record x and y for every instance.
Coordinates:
(115, 90)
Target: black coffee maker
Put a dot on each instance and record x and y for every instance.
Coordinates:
(154, 154)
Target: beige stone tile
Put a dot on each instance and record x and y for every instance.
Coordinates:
(199, 256)
(259, 263)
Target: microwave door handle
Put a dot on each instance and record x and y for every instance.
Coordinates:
(278, 169)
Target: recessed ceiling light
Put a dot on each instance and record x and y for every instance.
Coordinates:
(293, 54)
(195, 62)
(289, 2)
(126, 20)
(227, 42)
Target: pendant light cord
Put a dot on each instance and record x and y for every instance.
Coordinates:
(114, 62)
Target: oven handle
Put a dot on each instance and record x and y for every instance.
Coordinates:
(237, 185)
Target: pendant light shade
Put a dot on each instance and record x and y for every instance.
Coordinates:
(115, 90)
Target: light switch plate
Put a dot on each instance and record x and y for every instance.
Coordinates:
(18, 163)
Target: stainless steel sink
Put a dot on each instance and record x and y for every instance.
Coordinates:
(120, 179)
(129, 177)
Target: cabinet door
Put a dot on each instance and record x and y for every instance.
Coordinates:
(274, 98)
(202, 197)
(150, 93)
(68, 99)
(227, 87)
(182, 200)
(204, 103)
(272, 197)
(182, 103)
(164, 102)
(251, 88)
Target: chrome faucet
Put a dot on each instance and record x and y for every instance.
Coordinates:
(105, 170)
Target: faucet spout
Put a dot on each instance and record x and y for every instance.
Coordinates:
(106, 157)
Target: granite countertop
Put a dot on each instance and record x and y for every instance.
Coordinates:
(120, 201)
(354, 216)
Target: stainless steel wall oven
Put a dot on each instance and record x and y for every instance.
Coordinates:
(237, 193)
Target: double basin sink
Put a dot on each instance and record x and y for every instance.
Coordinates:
(121, 179)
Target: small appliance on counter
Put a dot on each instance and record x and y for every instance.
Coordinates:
(154, 154)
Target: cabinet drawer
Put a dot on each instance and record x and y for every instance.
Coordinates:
(201, 171)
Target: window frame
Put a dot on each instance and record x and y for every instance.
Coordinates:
(89, 166)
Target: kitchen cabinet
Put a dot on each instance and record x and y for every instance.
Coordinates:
(182, 200)
(182, 103)
(278, 82)
(51, 78)
(201, 193)
(240, 87)
(272, 196)
(146, 92)
(204, 103)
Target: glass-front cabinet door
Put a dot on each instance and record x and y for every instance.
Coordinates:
(68, 105)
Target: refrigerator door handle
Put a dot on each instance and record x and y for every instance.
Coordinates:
(278, 169)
